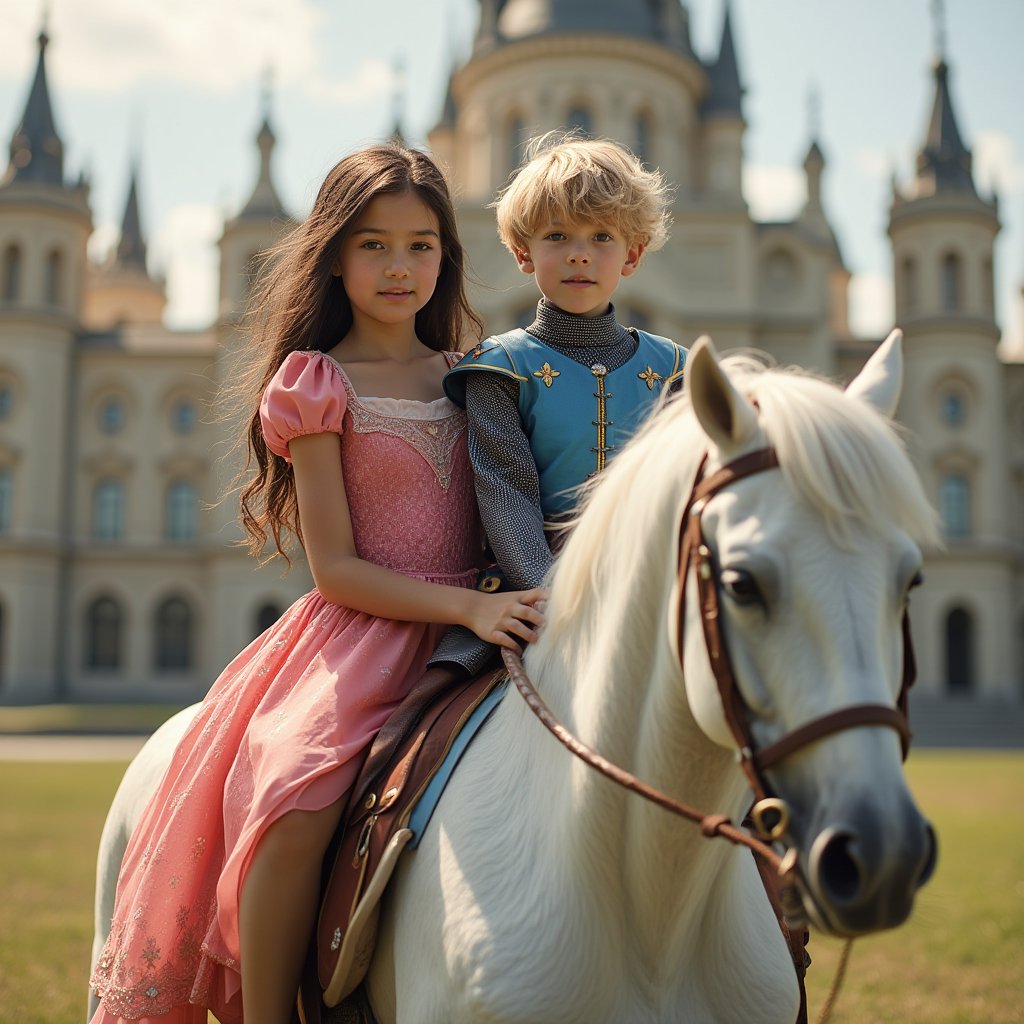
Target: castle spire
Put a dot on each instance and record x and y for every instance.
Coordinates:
(725, 92)
(36, 151)
(264, 201)
(943, 162)
(131, 248)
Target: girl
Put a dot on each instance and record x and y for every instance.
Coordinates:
(218, 887)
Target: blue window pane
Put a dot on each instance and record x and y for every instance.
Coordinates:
(173, 636)
(182, 511)
(580, 120)
(953, 409)
(111, 416)
(108, 510)
(183, 417)
(103, 634)
(6, 499)
(955, 505)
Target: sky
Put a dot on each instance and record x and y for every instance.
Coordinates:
(178, 87)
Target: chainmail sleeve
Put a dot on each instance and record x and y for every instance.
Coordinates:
(508, 493)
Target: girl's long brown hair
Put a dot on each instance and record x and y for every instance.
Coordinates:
(300, 304)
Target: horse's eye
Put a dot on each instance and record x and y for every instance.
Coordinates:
(741, 586)
(916, 580)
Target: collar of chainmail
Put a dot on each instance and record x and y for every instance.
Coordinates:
(564, 330)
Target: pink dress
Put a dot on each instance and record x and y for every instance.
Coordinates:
(288, 721)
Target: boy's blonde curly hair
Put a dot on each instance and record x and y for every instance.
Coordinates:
(568, 178)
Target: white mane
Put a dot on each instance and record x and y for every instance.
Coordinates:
(839, 452)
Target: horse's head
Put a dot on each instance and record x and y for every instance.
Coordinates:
(807, 568)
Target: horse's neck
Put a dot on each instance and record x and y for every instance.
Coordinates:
(655, 871)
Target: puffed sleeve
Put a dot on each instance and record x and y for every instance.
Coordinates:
(305, 396)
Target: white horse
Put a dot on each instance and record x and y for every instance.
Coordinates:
(543, 892)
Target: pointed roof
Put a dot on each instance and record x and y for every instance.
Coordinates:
(507, 21)
(264, 202)
(725, 92)
(131, 248)
(37, 153)
(944, 162)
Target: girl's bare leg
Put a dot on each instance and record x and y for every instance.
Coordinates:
(277, 910)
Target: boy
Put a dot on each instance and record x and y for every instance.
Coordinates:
(548, 406)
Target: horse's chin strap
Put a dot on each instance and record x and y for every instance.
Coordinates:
(693, 551)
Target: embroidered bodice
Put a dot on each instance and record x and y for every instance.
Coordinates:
(407, 476)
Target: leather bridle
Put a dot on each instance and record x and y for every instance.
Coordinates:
(694, 552)
(769, 814)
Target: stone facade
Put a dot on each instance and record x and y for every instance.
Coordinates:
(120, 578)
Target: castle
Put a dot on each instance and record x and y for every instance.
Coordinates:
(120, 575)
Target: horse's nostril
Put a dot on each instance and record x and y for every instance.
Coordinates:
(839, 870)
(931, 856)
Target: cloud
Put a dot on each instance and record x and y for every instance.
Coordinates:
(185, 249)
(996, 164)
(774, 192)
(871, 304)
(107, 46)
(372, 78)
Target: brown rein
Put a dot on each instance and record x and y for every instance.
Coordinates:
(693, 550)
(710, 824)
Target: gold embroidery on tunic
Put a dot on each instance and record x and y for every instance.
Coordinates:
(650, 376)
(546, 374)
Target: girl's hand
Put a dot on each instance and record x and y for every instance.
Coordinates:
(502, 618)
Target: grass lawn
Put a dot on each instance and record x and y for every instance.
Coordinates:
(112, 718)
(958, 961)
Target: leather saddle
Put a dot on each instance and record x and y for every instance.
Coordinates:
(392, 801)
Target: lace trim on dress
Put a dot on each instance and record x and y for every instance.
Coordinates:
(432, 429)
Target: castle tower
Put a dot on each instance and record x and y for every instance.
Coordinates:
(627, 71)
(44, 225)
(724, 124)
(610, 69)
(122, 290)
(943, 234)
(244, 594)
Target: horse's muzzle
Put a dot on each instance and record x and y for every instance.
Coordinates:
(861, 879)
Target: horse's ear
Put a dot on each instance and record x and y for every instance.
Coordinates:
(881, 380)
(726, 416)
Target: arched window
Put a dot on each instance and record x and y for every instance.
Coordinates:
(951, 288)
(988, 286)
(172, 636)
(6, 500)
(11, 282)
(955, 505)
(111, 415)
(959, 651)
(642, 131)
(909, 275)
(182, 508)
(104, 625)
(515, 141)
(266, 615)
(954, 409)
(184, 416)
(580, 120)
(108, 510)
(54, 277)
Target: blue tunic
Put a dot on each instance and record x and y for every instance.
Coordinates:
(574, 416)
